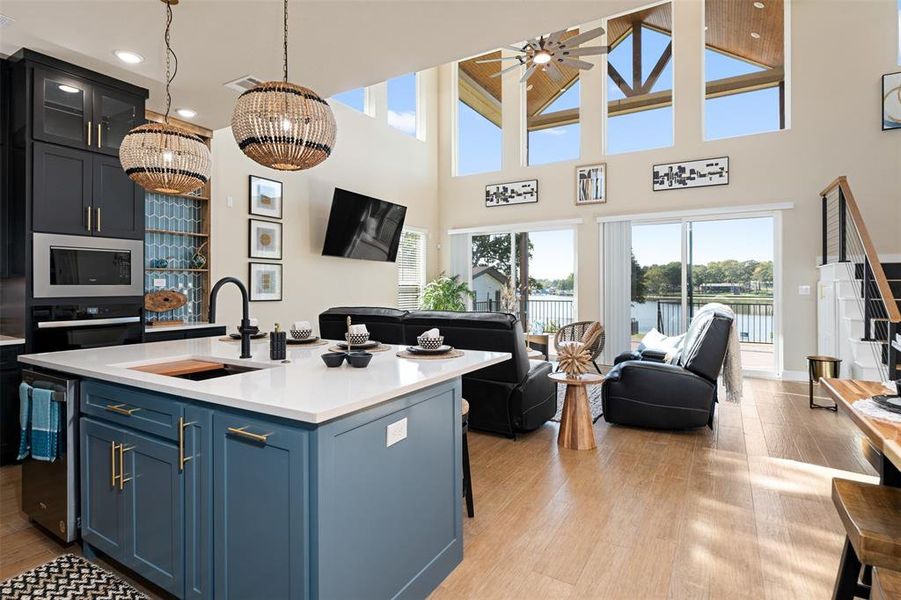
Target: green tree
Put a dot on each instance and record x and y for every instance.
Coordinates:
(638, 283)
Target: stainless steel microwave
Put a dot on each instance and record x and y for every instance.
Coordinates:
(70, 266)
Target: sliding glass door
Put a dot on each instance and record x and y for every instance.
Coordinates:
(528, 273)
(679, 266)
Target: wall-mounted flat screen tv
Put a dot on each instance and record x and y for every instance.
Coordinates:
(363, 227)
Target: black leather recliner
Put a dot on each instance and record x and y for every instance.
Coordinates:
(679, 394)
(509, 397)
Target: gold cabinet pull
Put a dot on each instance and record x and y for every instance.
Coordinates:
(87, 209)
(182, 459)
(120, 409)
(89, 133)
(113, 447)
(99, 135)
(122, 479)
(242, 432)
(98, 218)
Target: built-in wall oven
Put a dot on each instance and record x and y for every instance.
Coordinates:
(86, 324)
(50, 491)
(75, 266)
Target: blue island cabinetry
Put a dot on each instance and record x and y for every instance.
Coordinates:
(212, 502)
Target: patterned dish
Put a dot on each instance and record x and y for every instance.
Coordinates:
(430, 343)
(357, 339)
(301, 334)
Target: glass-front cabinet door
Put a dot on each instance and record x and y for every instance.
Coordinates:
(62, 109)
(115, 114)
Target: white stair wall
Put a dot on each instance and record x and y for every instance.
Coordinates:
(840, 323)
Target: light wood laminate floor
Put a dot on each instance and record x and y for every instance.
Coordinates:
(742, 511)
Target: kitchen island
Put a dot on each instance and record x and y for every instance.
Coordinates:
(270, 479)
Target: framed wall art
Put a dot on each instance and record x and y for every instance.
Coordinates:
(891, 101)
(518, 192)
(691, 174)
(591, 184)
(265, 282)
(265, 197)
(265, 240)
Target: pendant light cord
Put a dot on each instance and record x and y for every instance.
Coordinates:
(170, 56)
(285, 45)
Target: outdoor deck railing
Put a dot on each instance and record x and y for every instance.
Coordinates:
(754, 320)
(551, 313)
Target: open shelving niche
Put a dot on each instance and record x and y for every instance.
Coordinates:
(176, 226)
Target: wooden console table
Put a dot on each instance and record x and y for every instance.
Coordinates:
(576, 431)
(884, 436)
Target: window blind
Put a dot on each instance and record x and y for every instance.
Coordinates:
(410, 269)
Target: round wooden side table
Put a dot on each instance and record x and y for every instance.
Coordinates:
(576, 432)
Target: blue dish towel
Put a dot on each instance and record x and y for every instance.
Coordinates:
(24, 420)
(41, 435)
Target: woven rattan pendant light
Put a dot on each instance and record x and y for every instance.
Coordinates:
(161, 157)
(282, 125)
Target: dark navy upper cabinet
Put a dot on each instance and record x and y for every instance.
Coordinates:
(114, 114)
(62, 108)
(260, 504)
(62, 187)
(117, 202)
(74, 112)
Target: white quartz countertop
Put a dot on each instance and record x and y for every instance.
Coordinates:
(204, 325)
(303, 390)
(5, 340)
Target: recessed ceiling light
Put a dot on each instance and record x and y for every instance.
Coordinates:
(759, 5)
(129, 57)
(755, 35)
(186, 113)
(68, 89)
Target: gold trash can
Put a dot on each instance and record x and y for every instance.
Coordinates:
(819, 367)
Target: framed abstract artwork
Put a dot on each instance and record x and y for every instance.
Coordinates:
(591, 184)
(691, 174)
(891, 101)
(265, 240)
(265, 282)
(518, 192)
(265, 197)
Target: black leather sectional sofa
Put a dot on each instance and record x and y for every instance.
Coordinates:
(510, 397)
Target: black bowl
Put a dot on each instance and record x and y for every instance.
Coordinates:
(334, 359)
(252, 329)
(359, 359)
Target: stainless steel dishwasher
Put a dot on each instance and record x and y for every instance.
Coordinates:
(50, 490)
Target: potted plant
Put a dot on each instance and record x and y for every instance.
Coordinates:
(445, 293)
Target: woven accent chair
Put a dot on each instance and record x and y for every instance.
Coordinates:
(576, 332)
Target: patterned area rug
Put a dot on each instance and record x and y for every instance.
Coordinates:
(68, 577)
(594, 402)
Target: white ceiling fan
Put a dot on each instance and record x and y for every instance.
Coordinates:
(547, 53)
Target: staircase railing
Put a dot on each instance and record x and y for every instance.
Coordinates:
(847, 240)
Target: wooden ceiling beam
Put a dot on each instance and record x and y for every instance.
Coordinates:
(479, 99)
(664, 59)
(721, 87)
(557, 118)
(745, 83)
(619, 80)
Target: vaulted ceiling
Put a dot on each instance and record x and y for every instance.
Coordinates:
(335, 45)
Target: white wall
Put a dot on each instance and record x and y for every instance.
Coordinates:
(369, 157)
(838, 52)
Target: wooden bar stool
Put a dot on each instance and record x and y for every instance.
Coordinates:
(467, 480)
(886, 585)
(871, 515)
